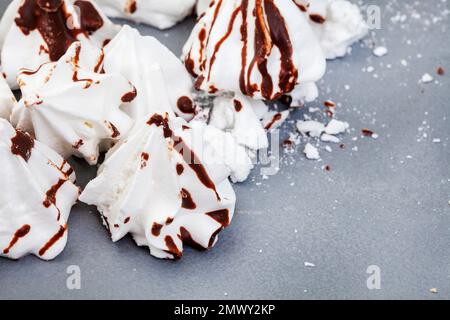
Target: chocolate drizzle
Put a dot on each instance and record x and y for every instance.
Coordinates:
(50, 18)
(156, 229)
(130, 96)
(186, 200)
(22, 145)
(221, 216)
(188, 155)
(172, 248)
(275, 118)
(187, 239)
(53, 240)
(50, 195)
(22, 232)
(186, 105)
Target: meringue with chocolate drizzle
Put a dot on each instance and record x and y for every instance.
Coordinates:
(7, 99)
(33, 32)
(157, 13)
(160, 78)
(36, 195)
(72, 106)
(263, 49)
(165, 186)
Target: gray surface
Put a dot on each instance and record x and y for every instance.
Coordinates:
(376, 207)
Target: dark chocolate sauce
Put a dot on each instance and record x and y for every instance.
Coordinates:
(187, 239)
(186, 200)
(53, 240)
(127, 219)
(180, 169)
(186, 105)
(130, 96)
(317, 18)
(115, 131)
(144, 158)
(22, 145)
(172, 248)
(156, 229)
(221, 216)
(22, 232)
(50, 195)
(275, 118)
(90, 19)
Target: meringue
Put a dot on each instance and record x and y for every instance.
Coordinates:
(36, 195)
(160, 78)
(71, 107)
(160, 14)
(7, 99)
(237, 115)
(159, 185)
(265, 49)
(337, 23)
(202, 6)
(33, 32)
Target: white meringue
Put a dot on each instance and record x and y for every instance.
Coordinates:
(157, 185)
(157, 13)
(337, 23)
(202, 6)
(159, 77)
(7, 99)
(72, 108)
(237, 116)
(28, 40)
(263, 50)
(36, 194)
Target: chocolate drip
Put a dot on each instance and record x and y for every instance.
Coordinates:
(156, 229)
(50, 18)
(180, 169)
(275, 118)
(237, 105)
(188, 155)
(53, 240)
(22, 232)
(50, 196)
(172, 248)
(187, 239)
(115, 131)
(130, 96)
(221, 216)
(144, 158)
(22, 145)
(186, 105)
(186, 200)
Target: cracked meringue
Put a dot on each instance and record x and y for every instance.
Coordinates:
(337, 23)
(160, 14)
(7, 99)
(72, 107)
(160, 78)
(165, 186)
(33, 32)
(36, 195)
(266, 49)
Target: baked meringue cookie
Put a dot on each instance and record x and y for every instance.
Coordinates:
(72, 108)
(33, 32)
(237, 115)
(337, 23)
(7, 99)
(157, 13)
(157, 185)
(160, 78)
(266, 49)
(36, 195)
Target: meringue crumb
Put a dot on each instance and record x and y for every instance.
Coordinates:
(380, 51)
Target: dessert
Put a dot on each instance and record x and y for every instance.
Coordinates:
(267, 49)
(71, 106)
(164, 185)
(33, 32)
(7, 99)
(337, 23)
(160, 78)
(160, 14)
(36, 195)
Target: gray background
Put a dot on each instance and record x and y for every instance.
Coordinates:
(384, 204)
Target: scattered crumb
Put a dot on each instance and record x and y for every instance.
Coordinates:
(434, 290)
(309, 265)
(427, 78)
(311, 152)
(380, 51)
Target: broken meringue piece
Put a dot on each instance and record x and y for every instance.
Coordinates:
(237, 116)
(71, 107)
(265, 49)
(33, 32)
(161, 186)
(337, 23)
(7, 99)
(157, 13)
(36, 195)
(160, 78)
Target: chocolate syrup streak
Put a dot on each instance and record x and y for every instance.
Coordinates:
(22, 145)
(22, 232)
(221, 216)
(188, 155)
(172, 248)
(156, 229)
(186, 200)
(187, 239)
(50, 198)
(53, 240)
(50, 18)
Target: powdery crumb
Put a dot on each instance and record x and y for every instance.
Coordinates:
(310, 127)
(380, 51)
(434, 290)
(427, 78)
(335, 127)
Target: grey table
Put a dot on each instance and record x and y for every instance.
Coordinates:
(385, 202)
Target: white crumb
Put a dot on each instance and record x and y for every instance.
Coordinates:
(311, 152)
